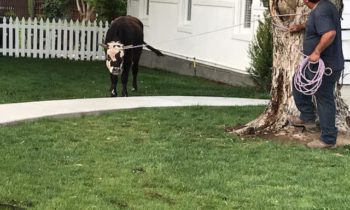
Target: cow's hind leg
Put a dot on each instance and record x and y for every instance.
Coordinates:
(125, 74)
(135, 67)
(114, 81)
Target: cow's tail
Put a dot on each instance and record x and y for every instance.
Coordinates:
(157, 52)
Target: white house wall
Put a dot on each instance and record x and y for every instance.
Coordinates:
(346, 39)
(226, 48)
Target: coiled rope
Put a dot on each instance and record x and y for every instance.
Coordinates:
(306, 83)
(306, 80)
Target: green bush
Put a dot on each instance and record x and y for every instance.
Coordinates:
(30, 4)
(10, 13)
(265, 3)
(109, 10)
(260, 53)
(56, 8)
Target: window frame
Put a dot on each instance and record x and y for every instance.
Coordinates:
(144, 11)
(239, 31)
(185, 16)
(247, 19)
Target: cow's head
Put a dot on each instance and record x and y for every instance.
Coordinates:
(115, 54)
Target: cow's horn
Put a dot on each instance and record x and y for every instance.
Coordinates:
(103, 45)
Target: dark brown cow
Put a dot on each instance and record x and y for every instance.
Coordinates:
(125, 32)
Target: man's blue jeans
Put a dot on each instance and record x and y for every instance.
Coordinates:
(326, 108)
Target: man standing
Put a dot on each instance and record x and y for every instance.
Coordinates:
(322, 40)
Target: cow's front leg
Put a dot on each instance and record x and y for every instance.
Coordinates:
(125, 75)
(124, 79)
(114, 81)
(135, 67)
(134, 77)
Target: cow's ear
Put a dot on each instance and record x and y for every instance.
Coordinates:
(104, 46)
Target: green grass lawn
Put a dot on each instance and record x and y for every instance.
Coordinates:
(24, 79)
(165, 158)
(168, 158)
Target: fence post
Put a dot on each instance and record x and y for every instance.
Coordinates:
(35, 38)
(65, 39)
(82, 40)
(28, 46)
(76, 44)
(101, 33)
(59, 39)
(10, 37)
(17, 40)
(88, 43)
(71, 40)
(4, 36)
(41, 38)
(23, 37)
(100, 38)
(94, 37)
(53, 39)
(47, 39)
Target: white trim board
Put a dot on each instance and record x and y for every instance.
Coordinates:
(165, 1)
(212, 3)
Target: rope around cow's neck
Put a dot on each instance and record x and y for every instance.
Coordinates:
(302, 82)
(134, 46)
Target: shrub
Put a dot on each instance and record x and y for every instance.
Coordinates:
(260, 53)
(56, 8)
(109, 10)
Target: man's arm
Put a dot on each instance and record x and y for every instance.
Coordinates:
(326, 40)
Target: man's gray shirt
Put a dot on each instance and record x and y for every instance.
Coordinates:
(322, 19)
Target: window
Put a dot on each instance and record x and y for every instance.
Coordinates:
(248, 14)
(147, 7)
(186, 11)
(144, 9)
(242, 19)
(185, 16)
(189, 10)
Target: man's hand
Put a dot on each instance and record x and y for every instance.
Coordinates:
(326, 40)
(314, 57)
(296, 28)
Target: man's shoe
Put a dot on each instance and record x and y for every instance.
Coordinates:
(319, 144)
(297, 122)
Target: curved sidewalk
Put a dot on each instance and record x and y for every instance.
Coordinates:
(19, 112)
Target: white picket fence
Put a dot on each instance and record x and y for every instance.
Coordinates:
(52, 39)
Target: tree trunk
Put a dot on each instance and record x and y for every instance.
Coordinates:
(286, 58)
(85, 9)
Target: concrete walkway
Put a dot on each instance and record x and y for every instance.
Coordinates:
(19, 112)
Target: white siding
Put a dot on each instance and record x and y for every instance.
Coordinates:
(346, 39)
(224, 46)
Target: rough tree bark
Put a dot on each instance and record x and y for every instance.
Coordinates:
(286, 57)
(85, 9)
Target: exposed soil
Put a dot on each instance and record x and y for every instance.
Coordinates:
(291, 134)
(10, 207)
(297, 135)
